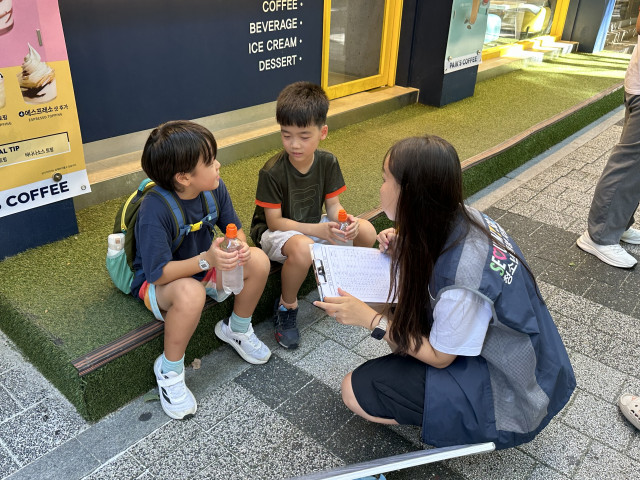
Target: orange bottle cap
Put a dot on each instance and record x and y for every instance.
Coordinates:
(232, 230)
(342, 216)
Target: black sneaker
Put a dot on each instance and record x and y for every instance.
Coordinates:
(284, 321)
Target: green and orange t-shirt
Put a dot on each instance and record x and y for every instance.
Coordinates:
(299, 196)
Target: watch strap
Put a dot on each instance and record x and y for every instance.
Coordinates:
(380, 330)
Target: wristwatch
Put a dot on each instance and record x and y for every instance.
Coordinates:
(380, 330)
(202, 263)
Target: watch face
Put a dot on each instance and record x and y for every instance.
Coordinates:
(378, 333)
(204, 265)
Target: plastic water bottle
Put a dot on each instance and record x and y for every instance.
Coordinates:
(342, 220)
(232, 280)
(115, 244)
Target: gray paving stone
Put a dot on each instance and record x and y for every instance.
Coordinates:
(253, 428)
(511, 463)
(551, 217)
(8, 406)
(223, 466)
(25, 387)
(297, 456)
(330, 362)
(580, 338)
(574, 184)
(619, 325)
(597, 378)
(574, 306)
(122, 466)
(7, 464)
(185, 460)
(623, 298)
(360, 441)
(371, 348)
(606, 140)
(524, 209)
(609, 465)
(274, 382)
(554, 191)
(495, 212)
(316, 410)
(164, 440)
(70, 460)
(219, 404)
(346, 335)
(542, 472)
(599, 420)
(519, 195)
(558, 446)
(120, 430)
(38, 430)
(594, 268)
(578, 199)
(620, 356)
(565, 277)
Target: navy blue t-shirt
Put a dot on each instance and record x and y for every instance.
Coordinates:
(154, 234)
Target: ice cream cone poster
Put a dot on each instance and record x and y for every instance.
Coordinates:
(41, 157)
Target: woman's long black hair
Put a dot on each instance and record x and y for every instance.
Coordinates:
(430, 204)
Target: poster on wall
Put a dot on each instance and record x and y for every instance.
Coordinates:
(41, 157)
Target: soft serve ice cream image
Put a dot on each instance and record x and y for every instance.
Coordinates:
(37, 79)
(3, 97)
(6, 16)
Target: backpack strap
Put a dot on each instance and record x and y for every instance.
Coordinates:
(209, 205)
(182, 228)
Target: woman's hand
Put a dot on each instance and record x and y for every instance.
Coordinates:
(387, 239)
(348, 310)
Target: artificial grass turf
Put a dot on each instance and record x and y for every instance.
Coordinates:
(60, 303)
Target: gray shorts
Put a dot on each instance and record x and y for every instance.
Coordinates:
(273, 241)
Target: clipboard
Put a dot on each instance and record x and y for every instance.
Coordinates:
(363, 272)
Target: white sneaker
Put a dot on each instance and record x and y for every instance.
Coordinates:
(631, 236)
(176, 399)
(246, 344)
(614, 255)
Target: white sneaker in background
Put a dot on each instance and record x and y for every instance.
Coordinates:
(631, 236)
(614, 255)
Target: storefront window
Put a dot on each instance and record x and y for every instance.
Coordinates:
(355, 39)
(509, 21)
(622, 35)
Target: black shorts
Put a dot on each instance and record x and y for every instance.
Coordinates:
(391, 387)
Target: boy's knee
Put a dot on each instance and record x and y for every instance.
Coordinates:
(366, 235)
(259, 261)
(189, 293)
(297, 250)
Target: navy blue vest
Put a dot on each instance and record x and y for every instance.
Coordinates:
(522, 377)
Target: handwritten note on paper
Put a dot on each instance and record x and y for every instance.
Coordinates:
(363, 272)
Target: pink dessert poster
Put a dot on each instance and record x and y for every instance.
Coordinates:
(29, 16)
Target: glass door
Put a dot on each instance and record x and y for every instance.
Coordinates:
(360, 45)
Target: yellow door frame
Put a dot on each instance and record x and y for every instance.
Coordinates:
(557, 26)
(388, 53)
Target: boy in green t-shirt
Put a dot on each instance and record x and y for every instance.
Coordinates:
(292, 188)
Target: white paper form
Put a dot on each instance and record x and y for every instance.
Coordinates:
(365, 273)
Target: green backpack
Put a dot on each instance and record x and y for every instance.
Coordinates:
(120, 265)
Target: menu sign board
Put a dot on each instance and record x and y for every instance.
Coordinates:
(41, 157)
